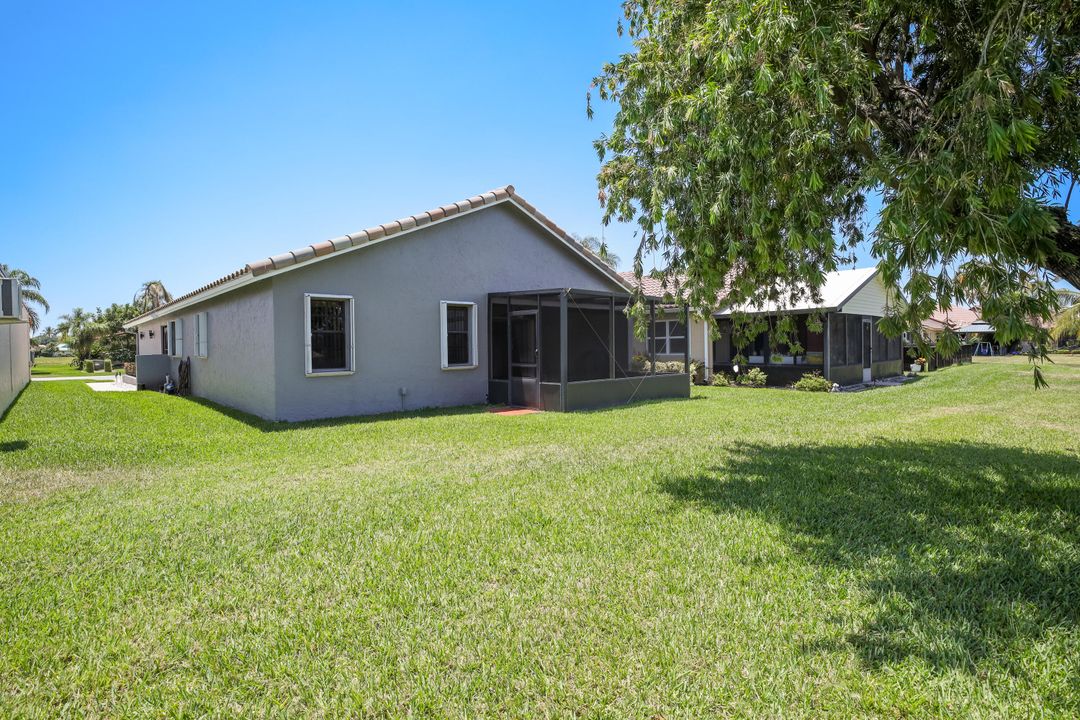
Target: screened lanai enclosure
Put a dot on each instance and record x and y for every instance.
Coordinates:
(571, 349)
(849, 349)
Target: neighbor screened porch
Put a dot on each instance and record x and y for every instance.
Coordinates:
(572, 349)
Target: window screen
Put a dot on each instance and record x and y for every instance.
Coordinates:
(457, 335)
(837, 340)
(328, 334)
(759, 346)
(500, 360)
(854, 339)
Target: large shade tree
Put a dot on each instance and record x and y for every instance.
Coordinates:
(750, 137)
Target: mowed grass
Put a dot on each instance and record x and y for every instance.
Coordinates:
(59, 367)
(904, 552)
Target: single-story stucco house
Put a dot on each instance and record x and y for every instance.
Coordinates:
(14, 342)
(484, 300)
(849, 350)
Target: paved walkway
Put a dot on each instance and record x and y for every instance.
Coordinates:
(111, 387)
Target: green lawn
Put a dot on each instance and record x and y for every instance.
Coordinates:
(904, 552)
(59, 367)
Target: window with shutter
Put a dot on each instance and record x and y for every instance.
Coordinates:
(329, 345)
(458, 341)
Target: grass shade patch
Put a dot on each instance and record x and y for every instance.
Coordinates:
(909, 551)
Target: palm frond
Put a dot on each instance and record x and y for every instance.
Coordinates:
(1067, 323)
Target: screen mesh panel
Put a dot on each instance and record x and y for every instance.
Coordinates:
(328, 334)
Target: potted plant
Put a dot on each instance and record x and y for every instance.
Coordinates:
(917, 366)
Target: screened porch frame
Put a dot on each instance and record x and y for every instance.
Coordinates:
(619, 385)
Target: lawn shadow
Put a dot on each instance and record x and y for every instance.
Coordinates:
(964, 550)
(270, 426)
(14, 445)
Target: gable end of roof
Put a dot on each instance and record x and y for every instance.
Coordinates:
(317, 251)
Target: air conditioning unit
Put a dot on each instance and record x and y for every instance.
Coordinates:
(10, 301)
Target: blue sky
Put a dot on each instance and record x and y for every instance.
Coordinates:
(177, 142)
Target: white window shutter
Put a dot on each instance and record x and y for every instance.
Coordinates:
(474, 343)
(179, 337)
(444, 351)
(307, 333)
(200, 334)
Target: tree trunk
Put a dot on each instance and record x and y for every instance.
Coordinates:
(1065, 263)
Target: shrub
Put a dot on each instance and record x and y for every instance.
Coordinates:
(721, 379)
(666, 366)
(697, 372)
(129, 368)
(88, 366)
(812, 382)
(108, 366)
(754, 377)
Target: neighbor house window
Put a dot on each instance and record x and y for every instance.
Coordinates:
(176, 337)
(200, 335)
(668, 337)
(328, 327)
(457, 322)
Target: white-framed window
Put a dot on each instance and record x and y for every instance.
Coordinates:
(329, 347)
(668, 337)
(201, 338)
(457, 333)
(176, 337)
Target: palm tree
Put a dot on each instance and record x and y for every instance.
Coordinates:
(151, 295)
(1067, 322)
(31, 294)
(600, 249)
(80, 329)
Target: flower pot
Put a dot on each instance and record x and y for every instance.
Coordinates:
(916, 367)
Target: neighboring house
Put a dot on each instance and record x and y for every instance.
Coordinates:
(481, 300)
(673, 332)
(849, 350)
(14, 343)
(969, 324)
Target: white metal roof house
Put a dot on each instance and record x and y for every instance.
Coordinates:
(14, 342)
(849, 350)
(480, 300)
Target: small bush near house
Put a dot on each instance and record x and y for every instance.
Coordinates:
(754, 377)
(721, 379)
(666, 366)
(129, 368)
(88, 366)
(812, 382)
(108, 366)
(697, 372)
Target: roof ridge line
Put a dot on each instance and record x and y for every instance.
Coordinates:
(380, 232)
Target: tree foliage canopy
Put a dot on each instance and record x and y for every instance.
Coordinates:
(153, 294)
(32, 298)
(749, 137)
